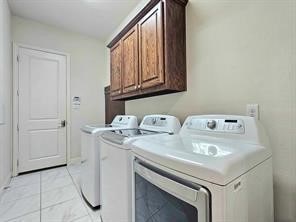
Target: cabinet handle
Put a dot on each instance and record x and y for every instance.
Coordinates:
(139, 86)
(135, 87)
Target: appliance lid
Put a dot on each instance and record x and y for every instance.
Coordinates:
(93, 128)
(119, 136)
(215, 160)
(134, 132)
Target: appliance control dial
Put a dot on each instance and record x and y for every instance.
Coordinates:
(211, 124)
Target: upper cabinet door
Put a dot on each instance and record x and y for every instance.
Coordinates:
(130, 61)
(148, 56)
(151, 48)
(115, 69)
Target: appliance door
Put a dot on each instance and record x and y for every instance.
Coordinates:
(163, 197)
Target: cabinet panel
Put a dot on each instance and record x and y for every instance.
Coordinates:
(149, 55)
(112, 108)
(115, 68)
(151, 48)
(130, 67)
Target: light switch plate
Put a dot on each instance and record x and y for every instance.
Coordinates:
(253, 110)
(76, 102)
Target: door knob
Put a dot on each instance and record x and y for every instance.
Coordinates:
(63, 124)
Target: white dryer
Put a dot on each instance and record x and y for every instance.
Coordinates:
(116, 164)
(218, 169)
(90, 156)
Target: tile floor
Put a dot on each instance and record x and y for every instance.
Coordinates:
(47, 196)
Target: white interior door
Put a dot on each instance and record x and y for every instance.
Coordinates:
(42, 108)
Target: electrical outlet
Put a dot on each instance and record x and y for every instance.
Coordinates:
(253, 110)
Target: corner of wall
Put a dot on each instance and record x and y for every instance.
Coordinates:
(5, 94)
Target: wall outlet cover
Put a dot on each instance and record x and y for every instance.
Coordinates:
(253, 110)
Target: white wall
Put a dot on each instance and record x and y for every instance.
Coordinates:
(241, 52)
(5, 94)
(88, 69)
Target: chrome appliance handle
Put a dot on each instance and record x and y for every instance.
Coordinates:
(190, 192)
(166, 184)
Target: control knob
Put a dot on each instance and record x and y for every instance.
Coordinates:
(211, 124)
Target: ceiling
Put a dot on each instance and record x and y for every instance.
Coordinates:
(97, 18)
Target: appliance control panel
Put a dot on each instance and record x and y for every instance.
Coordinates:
(161, 123)
(236, 126)
(155, 121)
(121, 120)
(125, 120)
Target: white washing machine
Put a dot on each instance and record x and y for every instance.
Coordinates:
(116, 164)
(90, 155)
(218, 169)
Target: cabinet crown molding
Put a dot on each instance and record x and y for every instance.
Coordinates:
(138, 17)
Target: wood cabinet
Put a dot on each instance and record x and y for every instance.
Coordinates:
(112, 108)
(148, 57)
(130, 61)
(115, 60)
(151, 48)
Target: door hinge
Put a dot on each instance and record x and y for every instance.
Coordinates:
(18, 92)
(17, 163)
(18, 127)
(18, 58)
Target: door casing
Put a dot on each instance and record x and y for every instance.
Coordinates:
(15, 104)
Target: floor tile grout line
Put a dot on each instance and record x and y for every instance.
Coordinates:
(41, 192)
(62, 202)
(18, 186)
(30, 212)
(61, 187)
(26, 214)
(57, 177)
(88, 212)
(11, 188)
(9, 201)
(51, 191)
(79, 218)
(80, 196)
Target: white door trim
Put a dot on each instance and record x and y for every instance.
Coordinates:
(15, 105)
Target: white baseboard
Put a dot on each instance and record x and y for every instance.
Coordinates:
(74, 161)
(6, 182)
